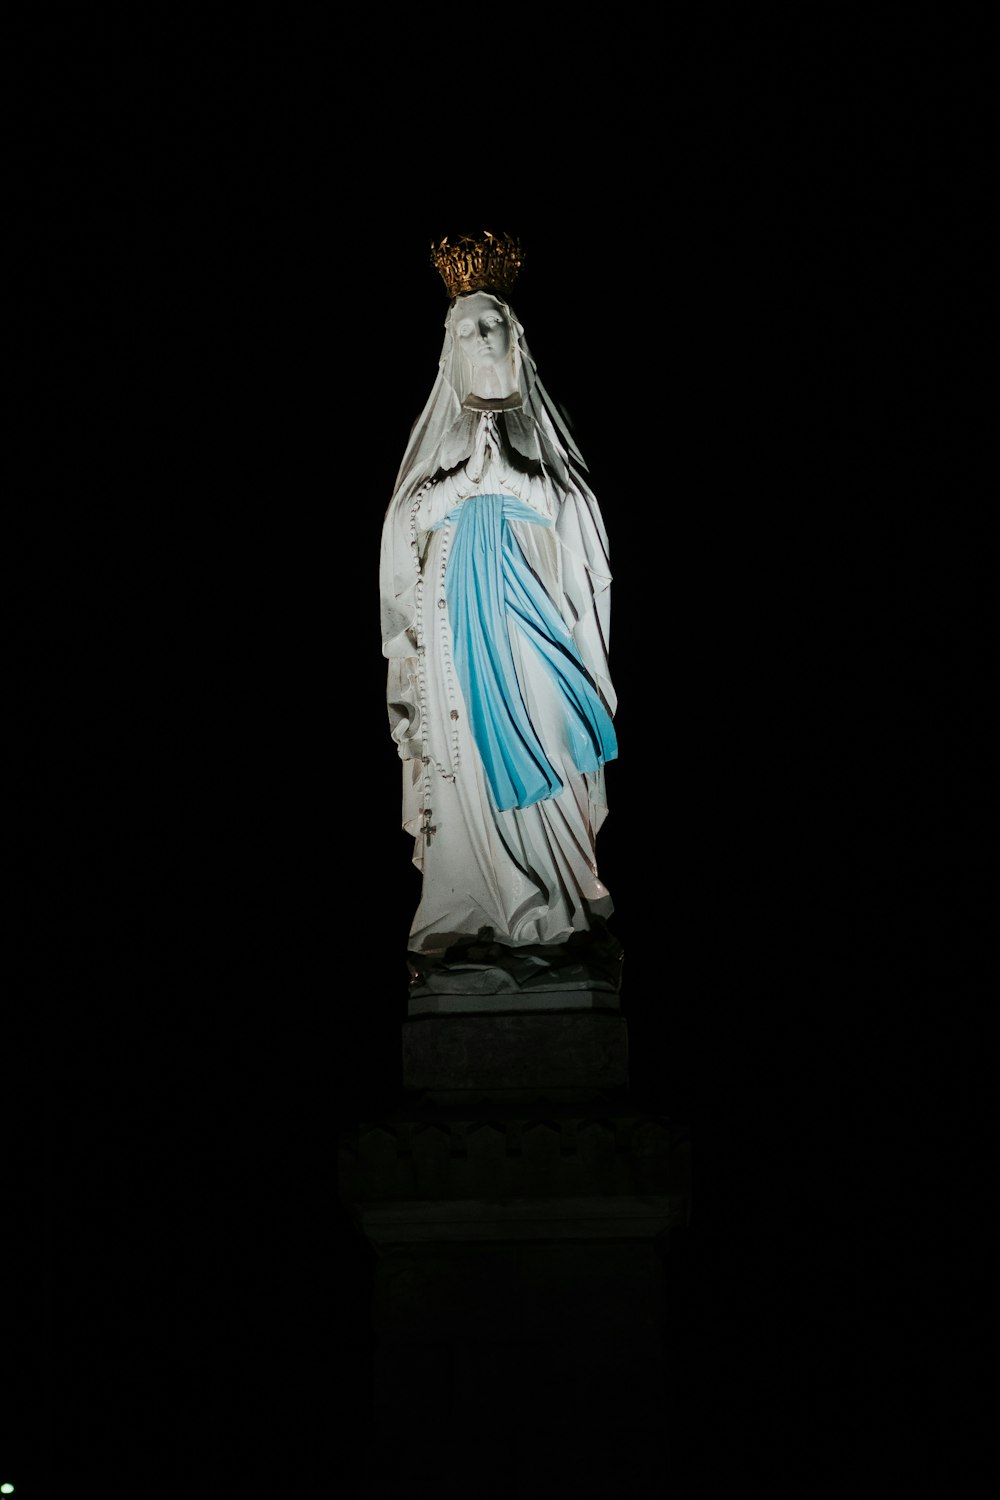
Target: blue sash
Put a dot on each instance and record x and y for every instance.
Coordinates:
(490, 588)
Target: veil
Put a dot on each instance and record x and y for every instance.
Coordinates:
(443, 437)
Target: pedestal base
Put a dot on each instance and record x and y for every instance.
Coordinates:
(559, 1053)
(518, 1299)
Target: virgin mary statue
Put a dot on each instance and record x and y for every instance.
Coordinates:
(495, 598)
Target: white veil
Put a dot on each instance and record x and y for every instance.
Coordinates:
(442, 438)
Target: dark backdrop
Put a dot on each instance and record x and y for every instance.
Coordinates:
(733, 283)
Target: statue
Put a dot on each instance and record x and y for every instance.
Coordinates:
(495, 595)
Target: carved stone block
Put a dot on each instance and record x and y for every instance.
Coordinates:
(555, 1051)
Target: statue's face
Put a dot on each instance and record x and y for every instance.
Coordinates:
(481, 330)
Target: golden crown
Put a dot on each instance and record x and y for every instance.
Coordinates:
(488, 263)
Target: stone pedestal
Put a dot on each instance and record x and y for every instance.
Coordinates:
(517, 1310)
(560, 1045)
(519, 1206)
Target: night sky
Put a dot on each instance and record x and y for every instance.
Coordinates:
(737, 285)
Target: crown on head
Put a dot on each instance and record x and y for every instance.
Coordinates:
(488, 263)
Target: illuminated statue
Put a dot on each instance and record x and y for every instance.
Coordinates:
(495, 591)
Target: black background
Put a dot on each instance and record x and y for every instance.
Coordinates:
(745, 266)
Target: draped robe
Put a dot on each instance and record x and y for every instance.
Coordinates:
(495, 612)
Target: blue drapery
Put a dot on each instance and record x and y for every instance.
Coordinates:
(490, 588)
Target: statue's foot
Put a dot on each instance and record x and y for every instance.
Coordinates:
(485, 967)
(464, 979)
